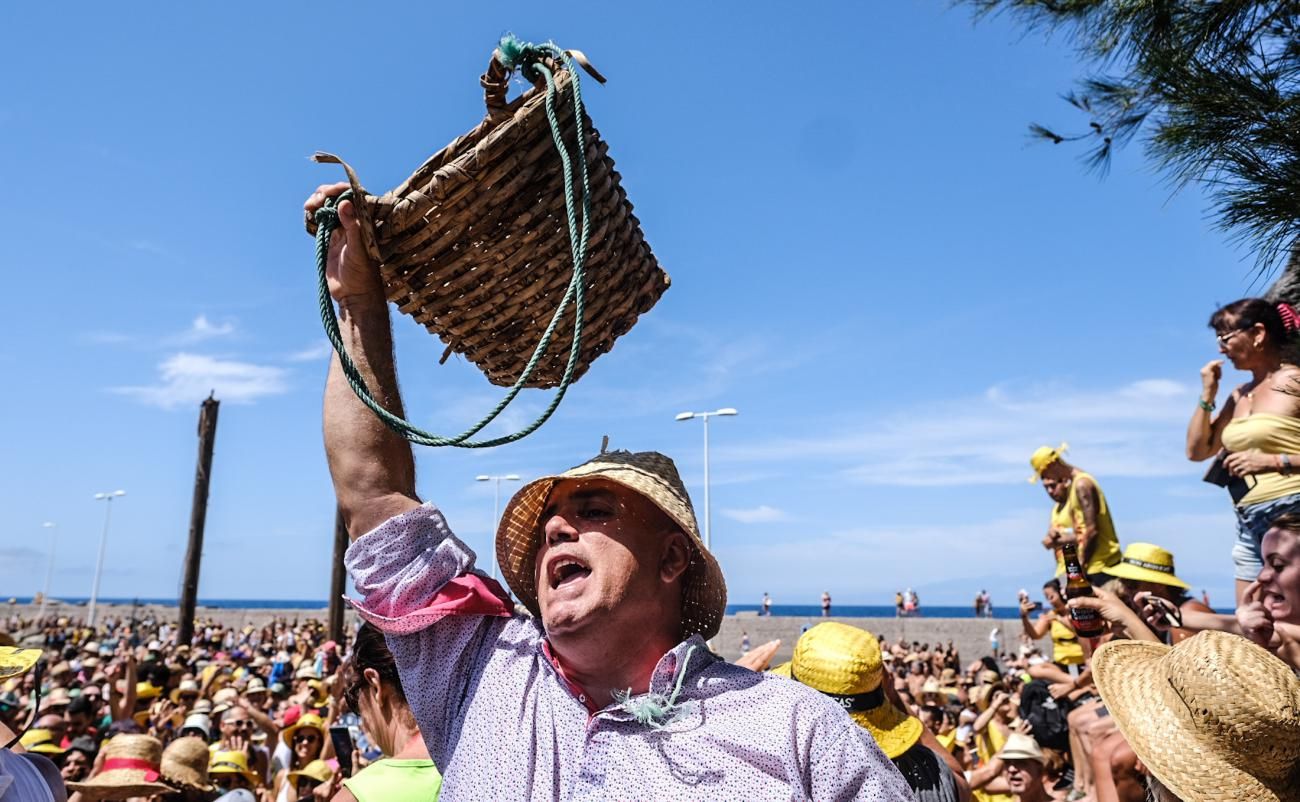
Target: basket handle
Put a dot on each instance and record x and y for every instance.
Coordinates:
(496, 81)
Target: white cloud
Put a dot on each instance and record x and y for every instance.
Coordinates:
(204, 329)
(313, 353)
(188, 378)
(1134, 430)
(762, 514)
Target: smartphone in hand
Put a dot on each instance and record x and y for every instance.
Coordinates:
(341, 737)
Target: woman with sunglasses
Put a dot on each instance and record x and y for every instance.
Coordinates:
(373, 692)
(1257, 433)
(306, 742)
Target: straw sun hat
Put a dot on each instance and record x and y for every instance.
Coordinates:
(844, 663)
(1215, 719)
(131, 768)
(654, 476)
(185, 764)
(1144, 562)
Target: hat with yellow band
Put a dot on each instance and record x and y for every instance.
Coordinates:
(1145, 562)
(844, 663)
(1044, 456)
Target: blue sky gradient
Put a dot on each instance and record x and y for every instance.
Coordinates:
(901, 293)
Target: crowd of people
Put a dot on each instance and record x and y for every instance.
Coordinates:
(592, 676)
(122, 710)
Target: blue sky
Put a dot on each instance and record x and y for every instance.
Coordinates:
(901, 293)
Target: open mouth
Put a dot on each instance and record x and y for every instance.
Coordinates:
(566, 571)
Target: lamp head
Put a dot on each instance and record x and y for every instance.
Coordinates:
(482, 478)
(684, 416)
(511, 477)
(726, 411)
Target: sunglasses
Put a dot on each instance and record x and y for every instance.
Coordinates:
(309, 735)
(1223, 338)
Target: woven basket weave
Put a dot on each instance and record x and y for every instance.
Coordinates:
(475, 244)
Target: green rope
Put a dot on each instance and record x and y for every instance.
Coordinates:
(529, 58)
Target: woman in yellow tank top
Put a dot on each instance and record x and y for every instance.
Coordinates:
(1258, 428)
(1066, 649)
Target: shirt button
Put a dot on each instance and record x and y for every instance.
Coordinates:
(582, 699)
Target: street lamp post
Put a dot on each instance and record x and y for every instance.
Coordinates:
(704, 416)
(496, 509)
(49, 572)
(103, 541)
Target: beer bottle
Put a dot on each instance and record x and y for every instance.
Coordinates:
(1087, 623)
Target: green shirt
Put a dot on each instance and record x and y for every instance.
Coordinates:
(390, 780)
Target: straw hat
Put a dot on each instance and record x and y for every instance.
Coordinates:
(310, 720)
(1216, 719)
(255, 686)
(56, 698)
(147, 690)
(232, 763)
(1144, 562)
(130, 769)
(1044, 456)
(14, 661)
(317, 770)
(41, 741)
(320, 693)
(202, 706)
(844, 663)
(654, 476)
(1021, 747)
(305, 671)
(185, 764)
(187, 687)
(224, 700)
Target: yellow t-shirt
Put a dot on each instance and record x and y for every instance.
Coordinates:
(1066, 648)
(1105, 544)
(988, 744)
(1270, 434)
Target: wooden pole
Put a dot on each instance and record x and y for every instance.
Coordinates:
(338, 576)
(198, 515)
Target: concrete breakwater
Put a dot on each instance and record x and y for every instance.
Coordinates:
(970, 635)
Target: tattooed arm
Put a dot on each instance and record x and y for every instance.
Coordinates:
(1089, 507)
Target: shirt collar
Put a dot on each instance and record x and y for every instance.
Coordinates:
(662, 680)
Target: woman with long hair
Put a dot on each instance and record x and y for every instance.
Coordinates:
(1257, 433)
(373, 691)
(306, 742)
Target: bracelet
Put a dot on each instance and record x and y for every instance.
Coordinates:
(1285, 459)
(1208, 406)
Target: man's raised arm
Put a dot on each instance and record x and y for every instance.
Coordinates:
(372, 466)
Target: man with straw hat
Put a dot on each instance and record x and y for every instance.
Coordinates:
(131, 768)
(1214, 719)
(1080, 513)
(612, 670)
(844, 663)
(1023, 768)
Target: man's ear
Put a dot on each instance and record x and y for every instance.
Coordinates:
(676, 556)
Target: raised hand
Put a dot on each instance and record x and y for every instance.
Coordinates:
(1255, 620)
(1210, 376)
(349, 269)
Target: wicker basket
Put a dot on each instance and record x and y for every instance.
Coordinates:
(475, 244)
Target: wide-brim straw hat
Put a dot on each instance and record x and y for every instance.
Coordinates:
(187, 686)
(311, 721)
(1215, 719)
(844, 663)
(317, 770)
(652, 475)
(40, 741)
(185, 764)
(1145, 562)
(1021, 747)
(232, 763)
(15, 661)
(131, 768)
